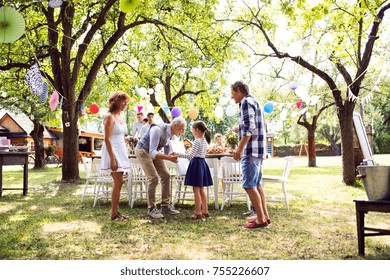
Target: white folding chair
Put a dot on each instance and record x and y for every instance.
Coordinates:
(104, 183)
(281, 179)
(91, 178)
(137, 186)
(232, 182)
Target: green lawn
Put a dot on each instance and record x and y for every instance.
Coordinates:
(52, 222)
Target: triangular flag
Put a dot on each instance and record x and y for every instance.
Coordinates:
(156, 109)
(139, 108)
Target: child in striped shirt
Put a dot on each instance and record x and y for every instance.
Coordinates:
(198, 173)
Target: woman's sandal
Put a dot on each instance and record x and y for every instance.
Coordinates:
(196, 216)
(206, 215)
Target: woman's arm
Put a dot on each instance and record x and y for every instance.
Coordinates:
(108, 125)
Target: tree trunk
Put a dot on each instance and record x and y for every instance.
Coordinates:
(312, 147)
(37, 135)
(345, 119)
(70, 161)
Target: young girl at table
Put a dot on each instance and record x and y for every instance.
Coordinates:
(198, 173)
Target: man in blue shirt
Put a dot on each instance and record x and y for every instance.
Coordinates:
(251, 151)
(150, 155)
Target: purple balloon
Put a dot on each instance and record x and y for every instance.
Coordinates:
(293, 85)
(176, 111)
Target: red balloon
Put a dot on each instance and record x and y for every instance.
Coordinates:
(94, 108)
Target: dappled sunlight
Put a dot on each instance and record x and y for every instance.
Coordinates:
(6, 208)
(56, 210)
(34, 208)
(49, 191)
(66, 227)
(17, 218)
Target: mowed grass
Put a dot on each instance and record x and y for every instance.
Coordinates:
(52, 222)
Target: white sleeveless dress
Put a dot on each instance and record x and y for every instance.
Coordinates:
(119, 149)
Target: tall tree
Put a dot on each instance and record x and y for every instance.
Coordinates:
(355, 28)
(74, 41)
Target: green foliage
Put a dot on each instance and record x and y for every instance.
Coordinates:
(382, 143)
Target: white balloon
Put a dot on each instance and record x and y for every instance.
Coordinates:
(224, 100)
(327, 38)
(295, 49)
(301, 112)
(143, 91)
(314, 100)
(301, 91)
(306, 99)
(230, 111)
(218, 112)
(150, 91)
(283, 115)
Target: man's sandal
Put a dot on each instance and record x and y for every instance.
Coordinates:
(196, 216)
(119, 217)
(125, 217)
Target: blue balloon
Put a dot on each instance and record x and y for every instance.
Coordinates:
(268, 107)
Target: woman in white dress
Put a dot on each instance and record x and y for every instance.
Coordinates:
(114, 153)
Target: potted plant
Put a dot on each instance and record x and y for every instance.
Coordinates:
(232, 139)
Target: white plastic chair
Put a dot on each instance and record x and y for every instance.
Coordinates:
(281, 179)
(232, 182)
(104, 183)
(137, 186)
(91, 177)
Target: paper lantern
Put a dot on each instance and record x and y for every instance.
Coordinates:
(12, 25)
(44, 93)
(53, 102)
(230, 111)
(218, 112)
(193, 114)
(176, 111)
(34, 80)
(128, 6)
(94, 108)
(55, 3)
(268, 107)
(293, 85)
